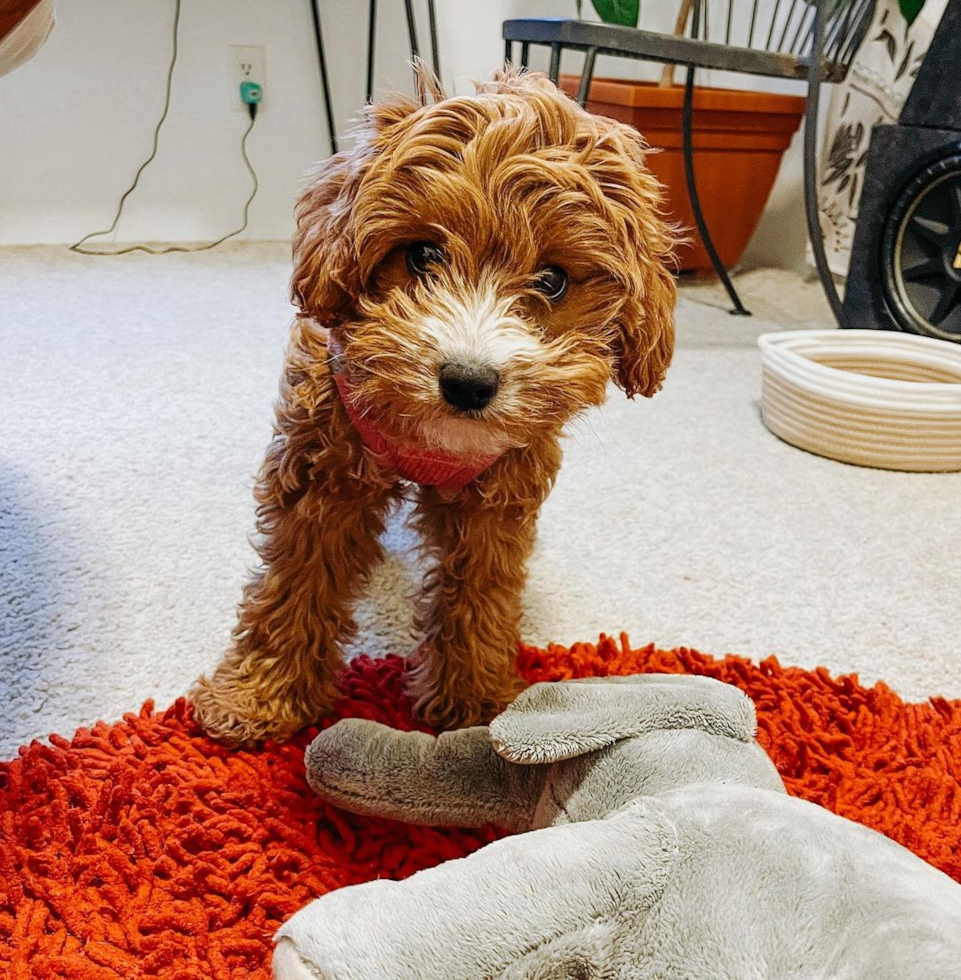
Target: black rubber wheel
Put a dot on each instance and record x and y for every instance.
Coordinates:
(921, 253)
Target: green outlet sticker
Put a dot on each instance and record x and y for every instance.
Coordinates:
(251, 93)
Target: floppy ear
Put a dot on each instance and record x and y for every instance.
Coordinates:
(550, 722)
(324, 282)
(643, 341)
(326, 278)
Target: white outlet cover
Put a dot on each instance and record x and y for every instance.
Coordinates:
(239, 57)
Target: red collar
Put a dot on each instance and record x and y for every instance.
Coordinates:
(429, 468)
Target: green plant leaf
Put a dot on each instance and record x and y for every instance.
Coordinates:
(910, 9)
(626, 12)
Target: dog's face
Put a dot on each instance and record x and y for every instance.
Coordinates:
(490, 262)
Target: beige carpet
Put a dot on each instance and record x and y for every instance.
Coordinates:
(135, 398)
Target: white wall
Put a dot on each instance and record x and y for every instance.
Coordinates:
(77, 121)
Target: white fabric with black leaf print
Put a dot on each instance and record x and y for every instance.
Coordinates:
(875, 90)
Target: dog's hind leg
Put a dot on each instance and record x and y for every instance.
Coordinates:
(471, 608)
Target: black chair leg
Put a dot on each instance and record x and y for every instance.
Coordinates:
(687, 127)
(555, 69)
(525, 54)
(584, 88)
(412, 30)
(371, 41)
(324, 80)
(434, 44)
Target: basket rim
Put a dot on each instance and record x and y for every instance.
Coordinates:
(791, 354)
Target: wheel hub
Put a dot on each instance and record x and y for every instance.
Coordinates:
(922, 253)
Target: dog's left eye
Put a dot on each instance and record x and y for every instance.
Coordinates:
(552, 282)
(422, 257)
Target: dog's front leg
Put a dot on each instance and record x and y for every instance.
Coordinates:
(465, 671)
(322, 511)
(279, 673)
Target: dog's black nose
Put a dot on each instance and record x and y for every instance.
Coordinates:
(468, 388)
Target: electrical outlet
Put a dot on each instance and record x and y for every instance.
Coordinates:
(245, 63)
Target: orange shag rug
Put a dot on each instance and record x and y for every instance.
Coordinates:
(143, 849)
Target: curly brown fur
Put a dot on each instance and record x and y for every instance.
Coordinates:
(505, 183)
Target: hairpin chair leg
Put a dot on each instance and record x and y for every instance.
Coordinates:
(371, 42)
(412, 29)
(324, 80)
(686, 127)
(555, 69)
(434, 44)
(590, 56)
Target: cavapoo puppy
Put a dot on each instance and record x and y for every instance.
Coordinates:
(470, 276)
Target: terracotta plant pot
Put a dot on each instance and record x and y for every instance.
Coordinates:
(739, 139)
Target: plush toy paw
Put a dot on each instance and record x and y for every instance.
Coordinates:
(288, 964)
(369, 768)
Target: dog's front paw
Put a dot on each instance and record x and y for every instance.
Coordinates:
(240, 714)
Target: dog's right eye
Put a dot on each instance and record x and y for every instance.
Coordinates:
(423, 258)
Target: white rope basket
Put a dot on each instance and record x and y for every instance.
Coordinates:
(869, 397)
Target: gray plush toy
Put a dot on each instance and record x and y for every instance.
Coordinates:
(657, 842)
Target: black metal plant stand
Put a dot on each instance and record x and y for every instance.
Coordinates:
(687, 137)
(371, 39)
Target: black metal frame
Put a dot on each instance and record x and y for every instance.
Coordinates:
(687, 135)
(811, 211)
(631, 42)
(324, 79)
(371, 42)
(833, 28)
